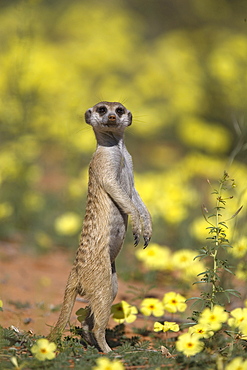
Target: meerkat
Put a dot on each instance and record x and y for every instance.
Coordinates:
(111, 198)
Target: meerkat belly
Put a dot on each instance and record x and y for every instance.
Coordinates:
(118, 227)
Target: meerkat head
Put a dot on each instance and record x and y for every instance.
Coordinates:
(108, 116)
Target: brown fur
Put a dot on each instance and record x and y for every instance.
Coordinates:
(111, 198)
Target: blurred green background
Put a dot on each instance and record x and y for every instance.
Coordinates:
(180, 66)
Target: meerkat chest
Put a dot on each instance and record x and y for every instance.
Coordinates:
(126, 173)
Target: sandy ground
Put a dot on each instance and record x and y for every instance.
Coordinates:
(32, 287)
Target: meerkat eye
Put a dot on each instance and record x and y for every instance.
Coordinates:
(102, 109)
(120, 111)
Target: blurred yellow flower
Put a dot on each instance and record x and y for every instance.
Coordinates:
(190, 274)
(238, 363)
(213, 318)
(9, 165)
(33, 201)
(124, 312)
(78, 186)
(162, 194)
(1, 305)
(155, 257)
(238, 316)
(189, 344)
(239, 248)
(241, 271)
(174, 302)
(198, 229)
(43, 240)
(219, 137)
(68, 224)
(152, 306)
(103, 363)
(45, 281)
(183, 258)
(243, 328)
(166, 326)
(195, 163)
(6, 210)
(203, 331)
(44, 350)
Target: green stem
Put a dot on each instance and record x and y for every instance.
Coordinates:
(214, 255)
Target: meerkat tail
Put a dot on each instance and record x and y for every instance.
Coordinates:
(68, 304)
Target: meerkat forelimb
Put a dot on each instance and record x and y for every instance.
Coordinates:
(111, 198)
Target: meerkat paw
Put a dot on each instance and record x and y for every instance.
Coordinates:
(136, 228)
(147, 231)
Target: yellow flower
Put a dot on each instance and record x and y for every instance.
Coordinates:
(243, 329)
(203, 331)
(167, 326)
(237, 363)
(1, 305)
(214, 318)
(154, 257)
(152, 306)
(239, 315)
(44, 350)
(189, 344)
(103, 363)
(68, 224)
(174, 302)
(124, 312)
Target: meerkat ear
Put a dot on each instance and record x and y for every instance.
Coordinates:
(88, 115)
(130, 117)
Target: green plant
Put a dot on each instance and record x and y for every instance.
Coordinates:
(217, 242)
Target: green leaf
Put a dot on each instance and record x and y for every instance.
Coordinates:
(203, 273)
(233, 292)
(226, 269)
(235, 214)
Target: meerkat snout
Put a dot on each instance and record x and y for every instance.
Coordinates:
(112, 118)
(88, 115)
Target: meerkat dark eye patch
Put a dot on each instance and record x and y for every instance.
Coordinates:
(101, 110)
(120, 111)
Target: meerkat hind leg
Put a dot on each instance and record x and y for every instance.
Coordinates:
(89, 323)
(101, 314)
(99, 334)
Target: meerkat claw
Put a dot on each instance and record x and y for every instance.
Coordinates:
(136, 240)
(146, 241)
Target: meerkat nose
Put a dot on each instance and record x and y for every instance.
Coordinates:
(112, 117)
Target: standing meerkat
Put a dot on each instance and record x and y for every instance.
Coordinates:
(111, 198)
